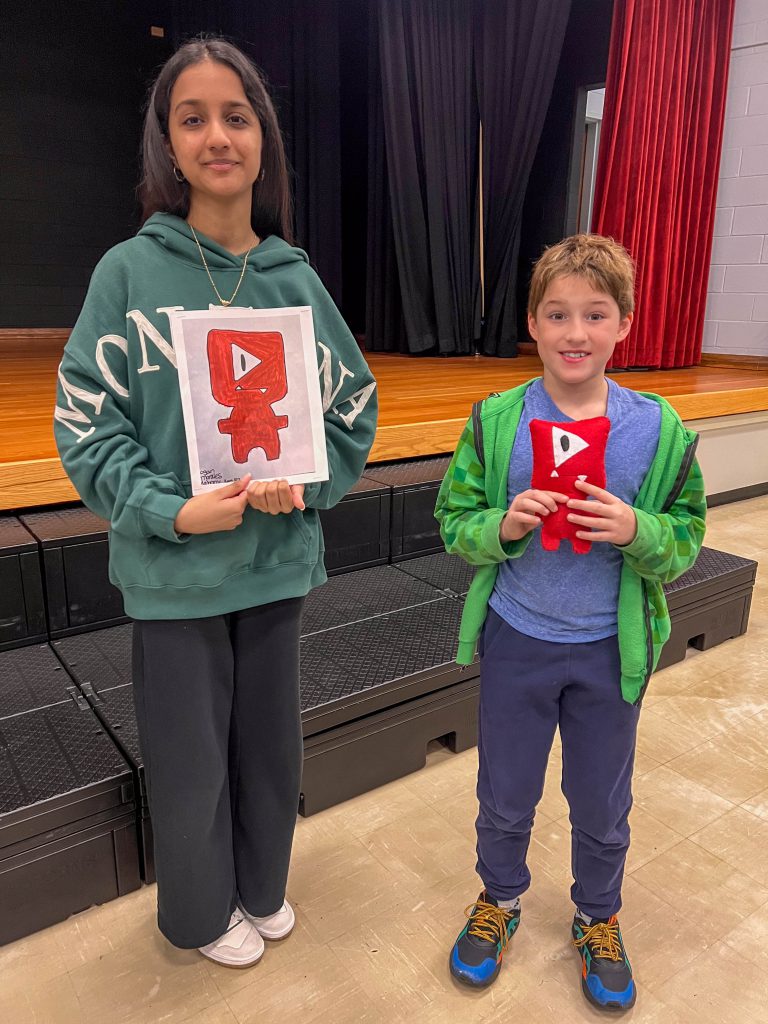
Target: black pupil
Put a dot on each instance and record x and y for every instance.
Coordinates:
(565, 443)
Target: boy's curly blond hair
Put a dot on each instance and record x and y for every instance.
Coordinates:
(602, 261)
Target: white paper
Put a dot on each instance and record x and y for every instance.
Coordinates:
(250, 393)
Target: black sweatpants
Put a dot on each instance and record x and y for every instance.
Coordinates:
(217, 704)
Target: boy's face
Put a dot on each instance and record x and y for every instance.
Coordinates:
(576, 329)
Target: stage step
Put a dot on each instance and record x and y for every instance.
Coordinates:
(22, 606)
(68, 836)
(378, 683)
(351, 759)
(101, 658)
(414, 530)
(75, 558)
(449, 574)
(115, 710)
(32, 678)
(356, 531)
(386, 516)
(362, 595)
(373, 642)
(377, 654)
(100, 664)
(360, 667)
(708, 604)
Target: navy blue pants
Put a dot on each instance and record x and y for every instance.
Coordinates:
(528, 688)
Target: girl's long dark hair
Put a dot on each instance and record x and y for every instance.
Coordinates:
(160, 192)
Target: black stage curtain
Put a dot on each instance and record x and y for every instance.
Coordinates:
(429, 135)
(517, 49)
(296, 44)
(384, 324)
(442, 68)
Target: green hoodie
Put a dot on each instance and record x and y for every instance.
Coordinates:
(120, 431)
(670, 510)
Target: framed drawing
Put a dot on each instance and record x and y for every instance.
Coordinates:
(250, 394)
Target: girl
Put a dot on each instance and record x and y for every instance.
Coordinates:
(215, 583)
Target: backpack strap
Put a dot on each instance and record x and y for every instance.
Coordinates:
(477, 430)
(477, 427)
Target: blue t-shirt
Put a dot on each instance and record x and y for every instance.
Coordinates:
(558, 595)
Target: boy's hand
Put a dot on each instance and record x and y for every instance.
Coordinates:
(611, 519)
(276, 496)
(212, 511)
(526, 511)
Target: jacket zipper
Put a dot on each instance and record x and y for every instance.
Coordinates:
(682, 475)
(674, 494)
(648, 646)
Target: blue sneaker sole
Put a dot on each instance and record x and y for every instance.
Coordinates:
(609, 1007)
(468, 980)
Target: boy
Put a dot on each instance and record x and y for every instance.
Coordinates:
(566, 640)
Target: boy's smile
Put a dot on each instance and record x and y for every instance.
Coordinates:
(576, 328)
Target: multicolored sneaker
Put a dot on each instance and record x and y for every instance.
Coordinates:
(476, 954)
(606, 973)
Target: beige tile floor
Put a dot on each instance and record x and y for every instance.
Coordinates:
(379, 885)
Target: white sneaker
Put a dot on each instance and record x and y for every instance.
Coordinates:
(239, 946)
(277, 925)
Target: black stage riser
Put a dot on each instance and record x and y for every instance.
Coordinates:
(404, 615)
(378, 681)
(385, 745)
(74, 557)
(54, 578)
(22, 602)
(68, 828)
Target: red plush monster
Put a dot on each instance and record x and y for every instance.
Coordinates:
(562, 454)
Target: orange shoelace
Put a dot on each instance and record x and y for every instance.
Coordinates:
(603, 939)
(488, 922)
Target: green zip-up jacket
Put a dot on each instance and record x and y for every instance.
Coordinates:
(120, 431)
(670, 510)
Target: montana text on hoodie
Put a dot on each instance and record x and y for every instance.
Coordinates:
(120, 432)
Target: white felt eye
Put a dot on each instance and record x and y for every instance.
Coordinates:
(565, 445)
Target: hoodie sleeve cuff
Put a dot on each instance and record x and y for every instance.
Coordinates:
(492, 543)
(311, 492)
(646, 540)
(157, 515)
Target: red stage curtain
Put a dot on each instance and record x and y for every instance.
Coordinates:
(658, 165)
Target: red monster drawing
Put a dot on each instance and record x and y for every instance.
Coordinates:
(248, 373)
(562, 454)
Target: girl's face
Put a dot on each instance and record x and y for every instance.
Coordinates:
(214, 134)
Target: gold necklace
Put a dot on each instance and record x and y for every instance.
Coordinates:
(231, 299)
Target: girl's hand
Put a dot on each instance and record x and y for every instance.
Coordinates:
(276, 496)
(212, 511)
(526, 511)
(611, 519)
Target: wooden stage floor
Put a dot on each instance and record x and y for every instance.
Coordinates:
(424, 403)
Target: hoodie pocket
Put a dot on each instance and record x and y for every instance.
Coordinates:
(284, 538)
(207, 560)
